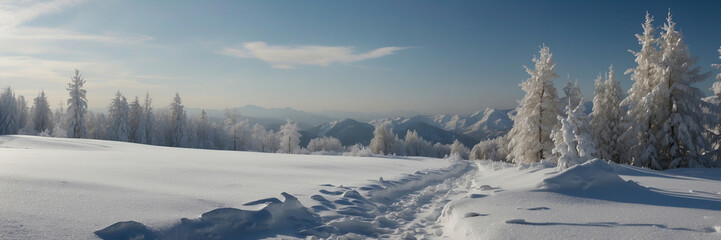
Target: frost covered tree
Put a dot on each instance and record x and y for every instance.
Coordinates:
(490, 149)
(639, 144)
(77, 108)
(325, 144)
(289, 137)
(415, 145)
(459, 150)
(22, 112)
(606, 117)
(575, 146)
(204, 132)
(97, 125)
(178, 123)
(239, 130)
(118, 115)
(530, 137)
(148, 119)
(8, 112)
(573, 93)
(716, 88)
(385, 141)
(60, 124)
(135, 121)
(41, 115)
(680, 137)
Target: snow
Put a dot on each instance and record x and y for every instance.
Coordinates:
(592, 200)
(53, 188)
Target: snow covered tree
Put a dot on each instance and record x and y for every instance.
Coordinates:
(573, 93)
(575, 145)
(606, 117)
(680, 137)
(385, 141)
(530, 137)
(204, 132)
(118, 115)
(415, 145)
(22, 112)
(8, 112)
(97, 126)
(148, 119)
(60, 125)
(639, 145)
(289, 138)
(239, 130)
(41, 114)
(459, 150)
(77, 108)
(135, 121)
(325, 144)
(178, 123)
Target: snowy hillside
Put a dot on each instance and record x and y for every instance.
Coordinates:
(426, 130)
(82, 189)
(57, 188)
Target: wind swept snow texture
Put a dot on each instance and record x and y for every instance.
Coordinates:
(594, 200)
(57, 188)
(342, 212)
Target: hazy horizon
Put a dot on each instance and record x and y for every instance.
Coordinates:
(370, 57)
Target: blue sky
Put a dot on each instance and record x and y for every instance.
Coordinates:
(368, 56)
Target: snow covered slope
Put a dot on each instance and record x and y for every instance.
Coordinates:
(54, 188)
(595, 200)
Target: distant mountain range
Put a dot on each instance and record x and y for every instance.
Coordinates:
(468, 129)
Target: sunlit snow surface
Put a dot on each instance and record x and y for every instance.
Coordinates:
(81, 189)
(53, 188)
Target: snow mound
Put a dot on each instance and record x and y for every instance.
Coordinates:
(592, 174)
(225, 223)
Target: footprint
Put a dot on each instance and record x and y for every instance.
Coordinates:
(473, 214)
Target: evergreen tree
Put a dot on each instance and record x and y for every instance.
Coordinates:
(148, 120)
(22, 112)
(459, 150)
(41, 114)
(137, 130)
(8, 112)
(118, 115)
(537, 113)
(77, 107)
(576, 145)
(639, 144)
(573, 93)
(177, 124)
(606, 117)
(680, 138)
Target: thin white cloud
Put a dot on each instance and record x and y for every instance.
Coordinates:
(285, 57)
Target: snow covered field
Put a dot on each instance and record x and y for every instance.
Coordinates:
(53, 188)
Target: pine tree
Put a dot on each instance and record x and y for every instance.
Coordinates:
(40, 114)
(639, 145)
(77, 107)
(537, 113)
(137, 130)
(576, 145)
(289, 138)
(148, 120)
(573, 93)
(606, 117)
(8, 112)
(118, 115)
(22, 112)
(178, 121)
(716, 88)
(680, 137)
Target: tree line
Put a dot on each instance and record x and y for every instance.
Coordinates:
(663, 122)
